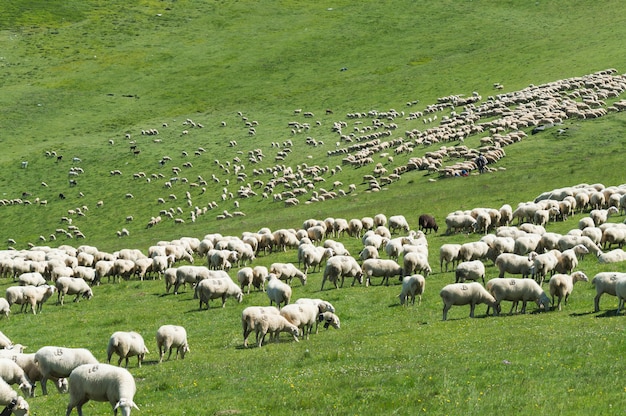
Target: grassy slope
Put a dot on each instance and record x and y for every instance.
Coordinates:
(66, 69)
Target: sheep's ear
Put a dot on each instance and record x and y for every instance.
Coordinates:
(134, 405)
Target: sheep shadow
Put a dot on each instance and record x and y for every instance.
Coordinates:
(608, 314)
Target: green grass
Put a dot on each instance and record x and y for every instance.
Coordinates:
(74, 75)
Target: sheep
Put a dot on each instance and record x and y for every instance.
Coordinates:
(324, 306)
(218, 288)
(278, 292)
(59, 362)
(614, 256)
(613, 235)
(620, 292)
(475, 250)
(543, 264)
(31, 279)
(427, 223)
(514, 264)
(33, 295)
(605, 282)
(5, 342)
(515, 290)
(600, 216)
(12, 373)
(15, 404)
(72, 286)
(526, 243)
(259, 274)
(465, 294)
(368, 252)
(274, 324)
(459, 222)
(329, 319)
(172, 336)
(413, 262)
(562, 285)
(412, 285)
(287, 271)
(314, 256)
(126, 345)
(470, 270)
(101, 383)
(380, 268)
(398, 222)
(31, 369)
(340, 267)
(450, 254)
(252, 314)
(302, 315)
(5, 308)
(245, 276)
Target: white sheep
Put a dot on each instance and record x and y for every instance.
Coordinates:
(470, 270)
(450, 254)
(5, 342)
(287, 271)
(245, 276)
(475, 250)
(12, 373)
(303, 315)
(10, 398)
(398, 222)
(126, 345)
(368, 252)
(72, 286)
(278, 292)
(414, 262)
(614, 256)
(102, 383)
(600, 216)
(516, 290)
(34, 296)
(323, 305)
(543, 264)
(459, 222)
(31, 279)
(384, 268)
(31, 369)
(217, 288)
(314, 256)
(250, 316)
(562, 285)
(274, 324)
(514, 264)
(60, 361)
(620, 292)
(329, 319)
(259, 274)
(169, 337)
(412, 286)
(605, 282)
(465, 294)
(340, 267)
(5, 308)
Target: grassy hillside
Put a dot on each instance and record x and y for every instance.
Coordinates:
(78, 77)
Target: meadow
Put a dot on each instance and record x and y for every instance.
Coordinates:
(77, 75)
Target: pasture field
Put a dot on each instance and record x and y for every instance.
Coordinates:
(78, 76)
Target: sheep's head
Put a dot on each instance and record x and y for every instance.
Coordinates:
(544, 302)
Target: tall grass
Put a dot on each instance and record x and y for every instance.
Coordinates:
(78, 74)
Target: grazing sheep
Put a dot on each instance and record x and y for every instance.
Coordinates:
(413, 262)
(31, 369)
(5, 308)
(245, 276)
(59, 362)
(287, 271)
(562, 285)
(302, 315)
(278, 292)
(459, 222)
(250, 316)
(10, 398)
(126, 345)
(12, 373)
(620, 292)
(274, 324)
(172, 336)
(33, 295)
(313, 256)
(223, 288)
(605, 282)
(368, 252)
(384, 268)
(515, 290)
(470, 270)
(412, 286)
(329, 319)
(101, 383)
(324, 306)
(259, 274)
(31, 279)
(450, 254)
(465, 294)
(514, 264)
(427, 223)
(475, 250)
(340, 267)
(72, 286)
(614, 256)
(398, 222)
(600, 216)
(543, 264)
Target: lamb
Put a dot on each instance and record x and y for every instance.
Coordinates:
(450, 254)
(287, 271)
(12, 373)
(278, 292)
(562, 285)
(126, 345)
(465, 294)
(412, 286)
(470, 270)
(101, 383)
(172, 336)
(223, 288)
(605, 282)
(302, 315)
(340, 267)
(72, 286)
(427, 223)
(31, 279)
(59, 362)
(514, 264)
(516, 290)
(274, 324)
(250, 316)
(416, 262)
(10, 398)
(380, 268)
(398, 222)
